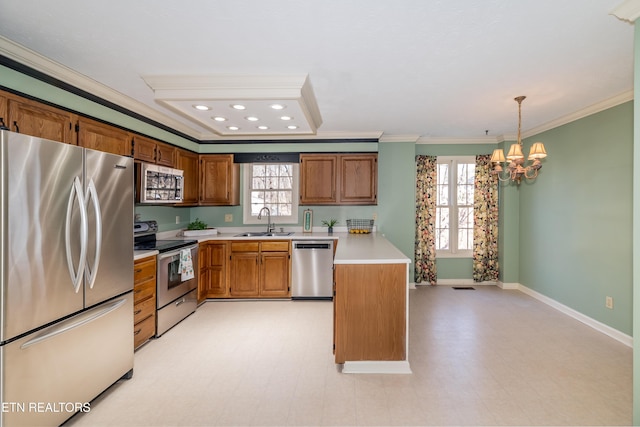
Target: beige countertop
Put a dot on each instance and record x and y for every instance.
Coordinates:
(371, 248)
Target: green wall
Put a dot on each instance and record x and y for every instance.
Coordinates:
(575, 218)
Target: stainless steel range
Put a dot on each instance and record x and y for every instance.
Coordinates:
(176, 293)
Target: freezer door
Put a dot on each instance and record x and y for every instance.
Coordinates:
(49, 375)
(109, 199)
(37, 196)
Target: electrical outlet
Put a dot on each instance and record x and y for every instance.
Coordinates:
(177, 219)
(374, 216)
(228, 217)
(609, 302)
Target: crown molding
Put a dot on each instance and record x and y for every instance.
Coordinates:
(587, 111)
(457, 141)
(399, 138)
(628, 10)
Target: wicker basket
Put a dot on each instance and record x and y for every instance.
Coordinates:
(360, 226)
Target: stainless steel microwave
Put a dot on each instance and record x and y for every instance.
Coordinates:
(158, 184)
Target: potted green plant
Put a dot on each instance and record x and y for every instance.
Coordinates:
(198, 228)
(330, 223)
(197, 225)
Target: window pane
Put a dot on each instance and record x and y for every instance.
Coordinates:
(465, 239)
(258, 170)
(465, 218)
(442, 240)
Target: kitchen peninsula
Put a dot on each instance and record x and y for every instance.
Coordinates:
(371, 278)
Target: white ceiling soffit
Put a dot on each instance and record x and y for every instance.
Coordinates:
(242, 105)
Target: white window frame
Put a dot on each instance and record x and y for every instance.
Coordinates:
(453, 251)
(247, 218)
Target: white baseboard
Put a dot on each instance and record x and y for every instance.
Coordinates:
(598, 326)
(376, 367)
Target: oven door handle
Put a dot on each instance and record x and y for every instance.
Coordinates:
(175, 253)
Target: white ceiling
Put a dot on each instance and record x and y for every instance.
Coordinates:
(427, 69)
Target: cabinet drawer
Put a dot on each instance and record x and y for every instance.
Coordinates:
(269, 246)
(144, 270)
(143, 291)
(143, 310)
(144, 330)
(245, 246)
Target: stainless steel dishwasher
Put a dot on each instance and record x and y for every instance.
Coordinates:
(312, 269)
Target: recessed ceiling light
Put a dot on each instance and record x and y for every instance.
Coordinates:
(292, 127)
(201, 107)
(277, 106)
(286, 118)
(252, 118)
(220, 119)
(233, 128)
(263, 127)
(238, 106)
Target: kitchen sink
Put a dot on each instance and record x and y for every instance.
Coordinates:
(264, 234)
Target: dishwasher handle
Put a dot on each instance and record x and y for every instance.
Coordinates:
(312, 245)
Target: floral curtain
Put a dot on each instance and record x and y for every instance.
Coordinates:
(425, 250)
(485, 222)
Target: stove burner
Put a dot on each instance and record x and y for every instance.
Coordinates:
(161, 245)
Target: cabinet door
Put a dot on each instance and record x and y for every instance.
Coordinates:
(144, 149)
(275, 270)
(244, 274)
(217, 271)
(318, 174)
(204, 262)
(219, 180)
(102, 137)
(358, 179)
(4, 109)
(165, 155)
(188, 162)
(40, 120)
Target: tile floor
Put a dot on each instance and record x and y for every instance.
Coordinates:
(479, 357)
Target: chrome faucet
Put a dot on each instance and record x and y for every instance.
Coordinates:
(270, 227)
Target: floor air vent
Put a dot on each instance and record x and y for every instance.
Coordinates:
(464, 288)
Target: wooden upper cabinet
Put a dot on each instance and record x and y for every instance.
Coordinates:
(102, 137)
(338, 179)
(359, 179)
(166, 155)
(188, 162)
(40, 120)
(143, 149)
(219, 180)
(318, 177)
(152, 151)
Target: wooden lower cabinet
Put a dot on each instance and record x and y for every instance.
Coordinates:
(260, 269)
(144, 300)
(370, 312)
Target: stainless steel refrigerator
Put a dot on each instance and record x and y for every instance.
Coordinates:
(66, 277)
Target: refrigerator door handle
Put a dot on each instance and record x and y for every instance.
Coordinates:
(76, 276)
(73, 323)
(92, 195)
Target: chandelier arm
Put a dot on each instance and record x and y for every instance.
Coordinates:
(535, 172)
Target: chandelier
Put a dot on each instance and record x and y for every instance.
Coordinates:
(515, 168)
